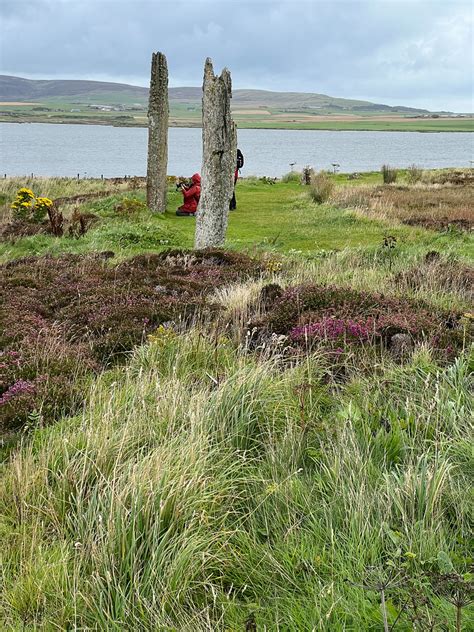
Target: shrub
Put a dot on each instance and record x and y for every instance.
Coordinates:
(19, 228)
(56, 221)
(292, 176)
(79, 223)
(321, 187)
(43, 375)
(23, 203)
(307, 175)
(41, 208)
(389, 175)
(414, 174)
(28, 207)
(63, 318)
(144, 235)
(130, 206)
(331, 313)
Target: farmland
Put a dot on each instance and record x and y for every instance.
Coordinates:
(182, 115)
(103, 103)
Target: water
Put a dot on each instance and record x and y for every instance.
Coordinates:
(95, 150)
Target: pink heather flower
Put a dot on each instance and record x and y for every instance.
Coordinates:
(21, 387)
(334, 329)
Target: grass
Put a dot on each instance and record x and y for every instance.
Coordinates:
(403, 125)
(204, 489)
(189, 115)
(217, 482)
(280, 218)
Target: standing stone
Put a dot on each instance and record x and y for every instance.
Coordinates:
(401, 346)
(219, 151)
(158, 113)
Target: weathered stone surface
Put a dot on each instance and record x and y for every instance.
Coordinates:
(401, 346)
(158, 114)
(219, 141)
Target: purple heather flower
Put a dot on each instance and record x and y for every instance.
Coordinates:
(333, 329)
(21, 387)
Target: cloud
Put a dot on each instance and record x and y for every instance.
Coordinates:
(411, 52)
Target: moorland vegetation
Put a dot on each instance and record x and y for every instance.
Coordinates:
(274, 436)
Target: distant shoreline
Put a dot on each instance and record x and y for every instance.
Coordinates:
(424, 126)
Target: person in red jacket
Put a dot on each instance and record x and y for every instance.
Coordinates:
(191, 197)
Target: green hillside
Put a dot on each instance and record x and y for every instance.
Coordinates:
(19, 89)
(102, 103)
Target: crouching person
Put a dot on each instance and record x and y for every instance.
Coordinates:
(191, 195)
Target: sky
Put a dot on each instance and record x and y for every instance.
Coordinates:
(418, 53)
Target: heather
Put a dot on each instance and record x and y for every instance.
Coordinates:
(274, 436)
(438, 203)
(63, 317)
(311, 313)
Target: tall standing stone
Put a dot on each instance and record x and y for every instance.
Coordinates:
(158, 113)
(219, 150)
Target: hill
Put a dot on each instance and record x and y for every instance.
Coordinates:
(123, 105)
(19, 89)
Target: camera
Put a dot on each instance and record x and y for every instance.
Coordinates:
(182, 183)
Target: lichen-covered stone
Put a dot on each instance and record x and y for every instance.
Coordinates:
(158, 114)
(219, 140)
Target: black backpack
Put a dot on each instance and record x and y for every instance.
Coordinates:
(240, 159)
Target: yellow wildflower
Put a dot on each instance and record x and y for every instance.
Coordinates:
(44, 201)
(25, 193)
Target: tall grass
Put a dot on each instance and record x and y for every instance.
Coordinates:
(321, 187)
(291, 176)
(204, 489)
(414, 174)
(389, 175)
(207, 487)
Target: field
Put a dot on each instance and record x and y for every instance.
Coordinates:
(188, 114)
(105, 103)
(274, 436)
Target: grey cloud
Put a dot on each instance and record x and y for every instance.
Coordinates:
(405, 51)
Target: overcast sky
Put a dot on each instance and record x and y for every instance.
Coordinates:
(400, 52)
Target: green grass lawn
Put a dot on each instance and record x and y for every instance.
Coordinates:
(278, 217)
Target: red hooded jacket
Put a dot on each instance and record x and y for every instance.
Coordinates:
(192, 195)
